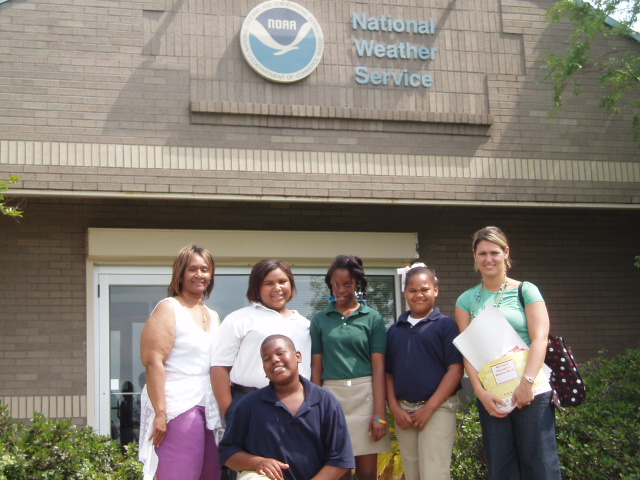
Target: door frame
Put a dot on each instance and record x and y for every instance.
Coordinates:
(106, 276)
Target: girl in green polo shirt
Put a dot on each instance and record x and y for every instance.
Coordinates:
(348, 346)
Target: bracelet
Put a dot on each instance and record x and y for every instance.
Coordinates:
(379, 420)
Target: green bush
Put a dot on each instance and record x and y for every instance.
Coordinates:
(601, 439)
(597, 440)
(57, 450)
(468, 460)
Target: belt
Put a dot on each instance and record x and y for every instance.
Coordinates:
(347, 382)
(412, 404)
(242, 389)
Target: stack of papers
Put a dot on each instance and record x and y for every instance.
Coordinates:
(499, 355)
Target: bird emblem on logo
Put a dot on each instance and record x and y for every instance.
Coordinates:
(261, 33)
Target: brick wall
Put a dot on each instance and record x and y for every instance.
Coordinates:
(89, 94)
(43, 326)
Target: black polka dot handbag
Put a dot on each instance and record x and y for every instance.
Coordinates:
(565, 379)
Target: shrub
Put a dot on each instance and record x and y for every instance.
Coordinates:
(57, 450)
(599, 439)
(468, 460)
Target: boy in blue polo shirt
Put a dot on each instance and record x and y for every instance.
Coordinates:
(290, 429)
(423, 372)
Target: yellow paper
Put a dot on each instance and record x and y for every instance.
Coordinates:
(502, 377)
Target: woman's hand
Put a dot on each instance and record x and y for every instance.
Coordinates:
(377, 430)
(523, 394)
(491, 402)
(159, 430)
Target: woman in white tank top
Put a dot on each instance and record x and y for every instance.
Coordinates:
(179, 412)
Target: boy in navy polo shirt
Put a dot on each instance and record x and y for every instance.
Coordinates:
(424, 370)
(289, 430)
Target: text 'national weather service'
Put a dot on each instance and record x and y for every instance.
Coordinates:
(404, 50)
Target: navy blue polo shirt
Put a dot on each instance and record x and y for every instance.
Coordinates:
(317, 436)
(418, 356)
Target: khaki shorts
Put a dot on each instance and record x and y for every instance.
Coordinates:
(356, 398)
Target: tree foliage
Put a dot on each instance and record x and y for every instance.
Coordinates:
(5, 208)
(618, 67)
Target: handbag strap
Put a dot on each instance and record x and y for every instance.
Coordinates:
(521, 298)
(520, 295)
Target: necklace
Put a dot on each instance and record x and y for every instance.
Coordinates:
(203, 309)
(474, 310)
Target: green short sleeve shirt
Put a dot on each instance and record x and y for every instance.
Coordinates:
(510, 305)
(346, 344)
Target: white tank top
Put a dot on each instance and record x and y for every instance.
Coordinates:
(191, 353)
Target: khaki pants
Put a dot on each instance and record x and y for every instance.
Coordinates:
(426, 454)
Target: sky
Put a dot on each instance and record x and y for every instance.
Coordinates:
(622, 11)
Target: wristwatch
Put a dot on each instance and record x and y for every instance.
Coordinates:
(528, 378)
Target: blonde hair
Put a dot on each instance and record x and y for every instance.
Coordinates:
(493, 235)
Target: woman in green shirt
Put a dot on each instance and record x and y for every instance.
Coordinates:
(521, 444)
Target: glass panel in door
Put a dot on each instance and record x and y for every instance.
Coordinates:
(129, 309)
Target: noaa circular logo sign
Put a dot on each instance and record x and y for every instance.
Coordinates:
(281, 41)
